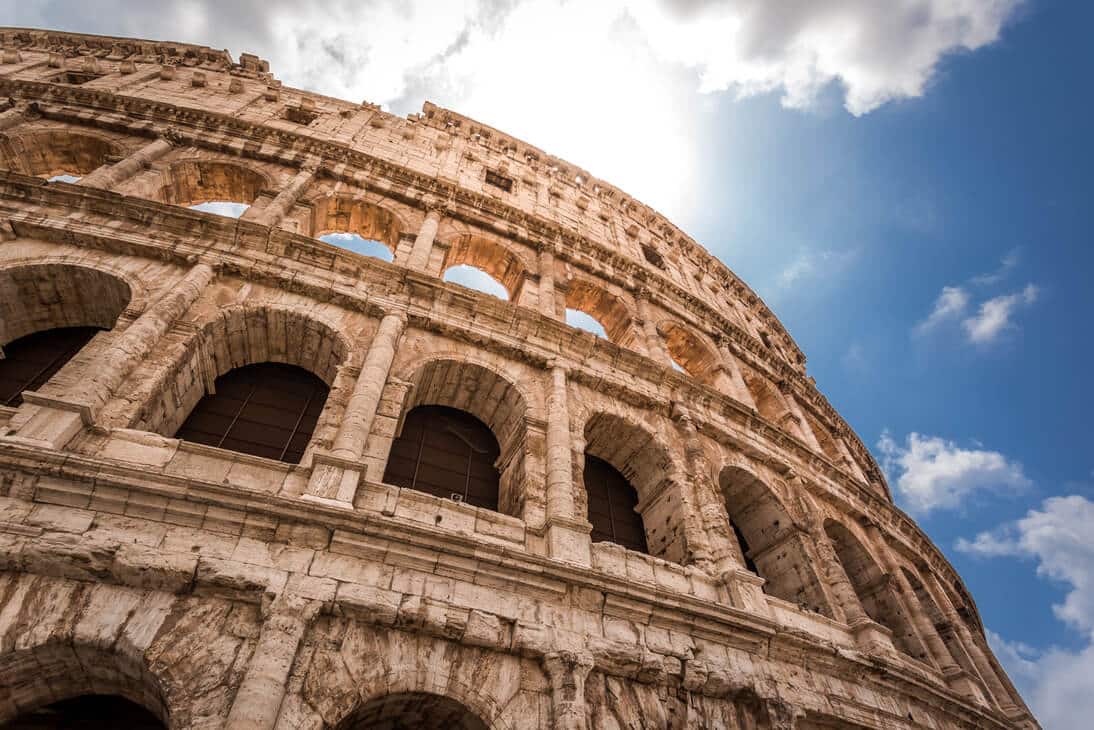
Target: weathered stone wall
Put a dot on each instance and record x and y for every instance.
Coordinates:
(221, 589)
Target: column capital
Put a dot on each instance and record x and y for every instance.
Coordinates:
(557, 363)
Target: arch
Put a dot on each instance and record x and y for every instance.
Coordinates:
(825, 439)
(50, 152)
(193, 182)
(777, 548)
(88, 712)
(419, 710)
(691, 351)
(333, 214)
(492, 399)
(490, 257)
(447, 453)
(263, 409)
(63, 672)
(607, 309)
(873, 588)
(242, 335)
(30, 361)
(769, 401)
(649, 469)
(41, 296)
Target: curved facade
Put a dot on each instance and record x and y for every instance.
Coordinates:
(291, 561)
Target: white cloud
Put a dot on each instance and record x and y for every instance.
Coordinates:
(612, 86)
(1057, 683)
(994, 316)
(1005, 267)
(934, 473)
(951, 303)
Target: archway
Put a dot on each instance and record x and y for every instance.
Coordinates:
(688, 350)
(478, 394)
(607, 310)
(30, 361)
(54, 153)
(873, 588)
(777, 550)
(264, 409)
(88, 712)
(646, 467)
(218, 187)
(489, 257)
(448, 453)
(413, 711)
(356, 226)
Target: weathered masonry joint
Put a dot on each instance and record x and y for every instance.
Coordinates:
(253, 479)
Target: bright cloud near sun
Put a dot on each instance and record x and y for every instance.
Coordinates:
(613, 86)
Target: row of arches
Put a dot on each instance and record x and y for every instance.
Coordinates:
(228, 187)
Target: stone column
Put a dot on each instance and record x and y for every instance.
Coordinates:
(62, 418)
(917, 616)
(968, 641)
(258, 701)
(273, 213)
(797, 419)
(547, 281)
(423, 244)
(655, 346)
(109, 177)
(567, 672)
(735, 382)
(336, 474)
(567, 532)
(11, 117)
(712, 537)
(868, 633)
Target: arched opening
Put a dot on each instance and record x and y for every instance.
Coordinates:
(30, 361)
(214, 187)
(773, 546)
(48, 313)
(56, 154)
(88, 712)
(477, 279)
(769, 402)
(481, 419)
(448, 453)
(647, 470)
(690, 352)
(587, 301)
(873, 588)
(57, 685)
(266, 409)
(613, 506)
(946, 630)
(356, 226)
(413, 711)
(489, 258)
(825, 439)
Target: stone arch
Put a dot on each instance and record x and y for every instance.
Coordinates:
(45, 295)
(873, 587)
(825, 439)
(336, 213)
(423, 710)
(691, 350)
(490, 257)
(195, 181)
(35, 677)
(244, 335)
(606, 308)
(779, 549)
(490, 396)
(649, 467)
(769, 401)
(49, 152)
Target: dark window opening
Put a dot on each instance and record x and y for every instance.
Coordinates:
(75, 78)
(743, 544)
(268, 410)
(612, 502)
(499, 181)
(447, 453)
(88, 712)
(30, 361)
(300, 115)
(651, 255)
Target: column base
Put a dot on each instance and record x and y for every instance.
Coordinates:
(569, 541)
(55, 423)
(333, 480)
(872, 637)
(745, 590)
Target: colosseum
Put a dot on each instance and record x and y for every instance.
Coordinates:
(254, 479)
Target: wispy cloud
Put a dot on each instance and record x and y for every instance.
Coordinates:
(950, 305)
(808, 264)
(994, 316)
(1009, 262)
(1058, 683)
(933, 473)
(589, 81)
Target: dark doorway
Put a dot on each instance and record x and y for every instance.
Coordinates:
(89, 712)
(612, 502)
(30, 361)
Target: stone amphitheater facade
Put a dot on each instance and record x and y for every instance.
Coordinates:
(780, 586)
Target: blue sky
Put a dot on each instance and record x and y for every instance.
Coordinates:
(913, 200)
